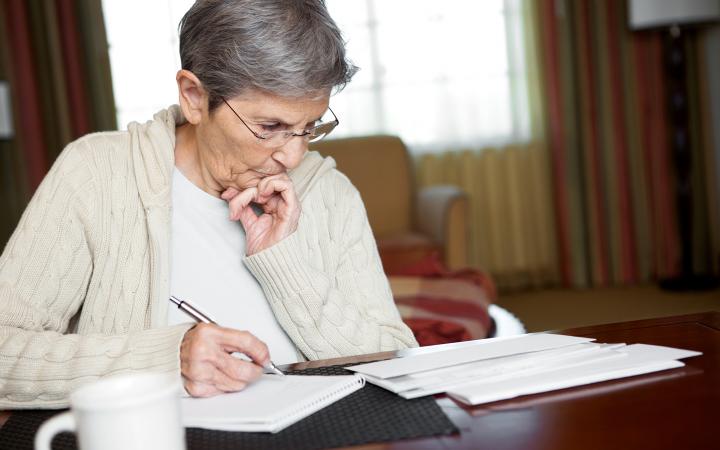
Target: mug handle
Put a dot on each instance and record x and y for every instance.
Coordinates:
(58, 424)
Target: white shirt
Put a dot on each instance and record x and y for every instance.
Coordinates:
(207, 270)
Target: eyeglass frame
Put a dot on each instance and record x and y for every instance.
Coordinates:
(292, 134)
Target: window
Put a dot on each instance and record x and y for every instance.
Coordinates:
(143, 41)
(438, 74)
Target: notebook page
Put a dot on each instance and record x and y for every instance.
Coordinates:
(269, 404)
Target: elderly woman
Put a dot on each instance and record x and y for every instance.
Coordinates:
(218, 202)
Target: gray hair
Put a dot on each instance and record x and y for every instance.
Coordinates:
(289, 48)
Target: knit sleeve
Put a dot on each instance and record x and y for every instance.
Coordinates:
(342, 305)
(44, 274)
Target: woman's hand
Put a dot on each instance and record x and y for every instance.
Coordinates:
(206, 364)
(281, 211)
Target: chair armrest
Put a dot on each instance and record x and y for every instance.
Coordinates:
(442, 214)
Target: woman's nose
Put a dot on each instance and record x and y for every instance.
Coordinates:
(290, 154)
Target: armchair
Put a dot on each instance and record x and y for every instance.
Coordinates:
(408, 224)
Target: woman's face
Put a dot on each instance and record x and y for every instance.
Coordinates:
(234, 157)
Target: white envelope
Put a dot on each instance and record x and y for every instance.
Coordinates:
(480, 351)
(529, 370)
(484, 368)
(639, 359)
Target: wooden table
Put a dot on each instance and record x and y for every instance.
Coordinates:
(674, 409)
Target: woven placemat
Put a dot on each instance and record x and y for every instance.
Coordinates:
(369, 415)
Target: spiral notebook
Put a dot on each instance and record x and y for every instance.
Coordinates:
(270, 404)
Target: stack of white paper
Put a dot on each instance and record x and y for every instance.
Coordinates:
(497, 369)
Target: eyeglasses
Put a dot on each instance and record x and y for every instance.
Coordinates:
(275, 139)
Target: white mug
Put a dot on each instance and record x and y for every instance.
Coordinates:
(129, 412)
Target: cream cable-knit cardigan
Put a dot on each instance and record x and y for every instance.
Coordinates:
(84, 280)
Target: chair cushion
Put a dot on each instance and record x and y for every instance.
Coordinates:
(404, 250)
(380, 168)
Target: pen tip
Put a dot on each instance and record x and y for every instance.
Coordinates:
(273, 369)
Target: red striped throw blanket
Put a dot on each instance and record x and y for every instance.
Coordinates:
(440, 305)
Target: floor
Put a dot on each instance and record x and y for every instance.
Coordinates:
(556, 309)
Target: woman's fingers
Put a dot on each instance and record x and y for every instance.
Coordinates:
(199, 389)
(277, 195)
(240, 201)
(228, 380)
(272, 205)
(281, 184)
(247, 217)
(269, 188)
(281, 212)
(207, 366)
(229, 193)
(237, 373)
(247, 343)
(217, 383)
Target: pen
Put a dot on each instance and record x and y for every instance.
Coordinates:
(200, 317)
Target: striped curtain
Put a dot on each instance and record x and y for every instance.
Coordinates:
(511, 229)
(54, 56)
(615, 212)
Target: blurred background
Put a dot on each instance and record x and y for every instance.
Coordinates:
(556, 158)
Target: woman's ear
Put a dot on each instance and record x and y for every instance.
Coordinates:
(193, 98)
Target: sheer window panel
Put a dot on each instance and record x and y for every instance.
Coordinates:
(128, 22)
(147, 81)
(358, 113)
(143, 47)
(441, 76)
(448, 115)
(444, 44)
(362, 56)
